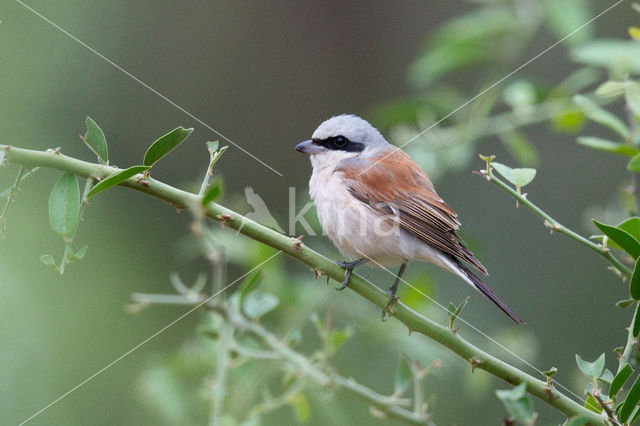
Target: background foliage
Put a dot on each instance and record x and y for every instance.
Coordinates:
(244, 60)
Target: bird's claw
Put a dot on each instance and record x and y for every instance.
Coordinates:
(345, 283)
(388, 308)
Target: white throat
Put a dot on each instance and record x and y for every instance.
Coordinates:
(329, 158)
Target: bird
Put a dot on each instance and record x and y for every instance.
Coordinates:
(376, 204)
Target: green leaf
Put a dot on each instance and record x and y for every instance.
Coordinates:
(217, 156)
(301, 407)
(568, 121)
(517, 403)
(64, 203)
(47, 259)
(565, 16)
(619, 380)
(95, 140)
(454, 312)
(403, 377)
(619, 56)
(550, 372)
(592, 404)
(632, 97)
(633, 397)
(634, 282)
(212, 146)
(249, 283)
(608, 146)
(115, 179)
(591, 369)
(634, 164)
(78, 255)
(337, 338)
(632, 226)
(519, 94)
(165, 144)
(611, 89)
(518, 177)
(620, 237)
(258, 303)
(625, 303)
(607, 376)
(600, 115)
(213, 192)
(636, 324)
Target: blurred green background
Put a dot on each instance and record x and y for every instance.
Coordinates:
(265, 75)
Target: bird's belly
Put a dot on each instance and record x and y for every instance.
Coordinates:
(355, 229)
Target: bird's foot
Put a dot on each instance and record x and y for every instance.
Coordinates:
(345, 283)
(349, 267)
(388, 308)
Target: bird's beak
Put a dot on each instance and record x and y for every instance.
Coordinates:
(309, 148)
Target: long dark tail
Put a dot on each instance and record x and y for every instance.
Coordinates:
(469, 277)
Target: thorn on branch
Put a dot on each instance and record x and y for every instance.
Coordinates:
(223, 218)
(551, 226)
(475, 362)
(297, 242)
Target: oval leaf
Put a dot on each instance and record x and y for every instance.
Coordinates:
(258, 303)
(634, 164)
(47, 259)
(95, 140)
(632, 97)
(64, 203)
(600, 115)
(518, 177)
(608, 146)
(116, 178)
(620, 237)
(591, 369)
(164, 144)
(632, 226)
(633, 397)
(619, 380)
(213, 192)
(636, 324)
(403, 377)
(634, 282)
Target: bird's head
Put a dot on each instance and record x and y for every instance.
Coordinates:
(341, 137)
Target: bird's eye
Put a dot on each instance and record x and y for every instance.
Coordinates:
(340, 142)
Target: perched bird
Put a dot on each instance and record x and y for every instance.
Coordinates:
(376, 204)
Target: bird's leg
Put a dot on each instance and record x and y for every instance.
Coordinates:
(392, 290)
(349, 267)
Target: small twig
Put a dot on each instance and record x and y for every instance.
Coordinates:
(224, 340)
(388, 404)
(10, 198)
(69, 241)
(556, 226)
(610, 414)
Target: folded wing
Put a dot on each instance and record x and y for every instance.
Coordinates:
(392, 183)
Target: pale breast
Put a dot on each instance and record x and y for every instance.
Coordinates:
(355, 229)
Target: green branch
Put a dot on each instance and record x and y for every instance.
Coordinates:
(414, 321)
(556, 226)
(387, 404)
